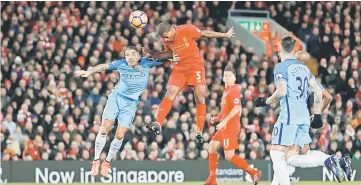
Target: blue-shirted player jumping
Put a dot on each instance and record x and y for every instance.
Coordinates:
(291, 131)
(122, 102)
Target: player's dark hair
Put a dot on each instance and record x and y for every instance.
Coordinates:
(163, 27)
(131, 48)
(230, 68)
(288, 44)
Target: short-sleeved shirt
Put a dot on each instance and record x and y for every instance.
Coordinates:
(185, 46)
(231, 97)
(294, 105)
(132, 81)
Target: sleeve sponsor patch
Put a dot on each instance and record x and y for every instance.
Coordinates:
(279, 76)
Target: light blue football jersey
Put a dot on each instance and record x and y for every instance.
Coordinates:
(294, 105)
(132, 81)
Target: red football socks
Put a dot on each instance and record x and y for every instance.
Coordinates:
(212, 165)
(164, 109)
(201, 116)
(241, 163)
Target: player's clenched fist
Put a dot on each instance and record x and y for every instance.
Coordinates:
(317, 121)
(82, 73)
(175, 58)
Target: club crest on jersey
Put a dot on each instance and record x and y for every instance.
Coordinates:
(279, 76)
(236, 100)
(186, 43)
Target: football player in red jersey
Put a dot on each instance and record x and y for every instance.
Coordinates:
(181, 41)
(228, 130)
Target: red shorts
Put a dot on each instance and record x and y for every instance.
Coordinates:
(182, 76)
(228, 139)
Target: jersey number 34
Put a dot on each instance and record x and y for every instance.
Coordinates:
(302, 85)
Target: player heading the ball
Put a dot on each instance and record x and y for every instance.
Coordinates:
(189, 71)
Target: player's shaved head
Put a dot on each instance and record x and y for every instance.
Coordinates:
(230, 69)
(163, 27)
(288, 44)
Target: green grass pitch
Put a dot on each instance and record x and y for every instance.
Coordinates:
(199, 183)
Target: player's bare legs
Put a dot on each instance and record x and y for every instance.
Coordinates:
(200, 98)
(213, 147)
(100, 141)
(164, 108)
(114, 148)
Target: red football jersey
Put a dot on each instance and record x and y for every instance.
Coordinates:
(185, 46)
(231, 97)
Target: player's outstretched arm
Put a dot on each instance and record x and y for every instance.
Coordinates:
(213, 34)
(91, 70)
(161, 55)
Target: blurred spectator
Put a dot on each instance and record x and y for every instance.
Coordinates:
(9, 124)
(128, 153)
(31, 151)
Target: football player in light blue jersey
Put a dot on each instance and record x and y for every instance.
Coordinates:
(291, 131)
(122, 102)
(345, 162)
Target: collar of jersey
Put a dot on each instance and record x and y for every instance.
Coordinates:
(289, 59)
(137, 68)
(227, 88)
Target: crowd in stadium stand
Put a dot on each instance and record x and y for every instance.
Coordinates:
(47, 114)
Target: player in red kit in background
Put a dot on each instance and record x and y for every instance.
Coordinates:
(228, 130)
(181, 41)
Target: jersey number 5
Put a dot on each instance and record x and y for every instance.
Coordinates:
(198, 76)
(302, 85)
